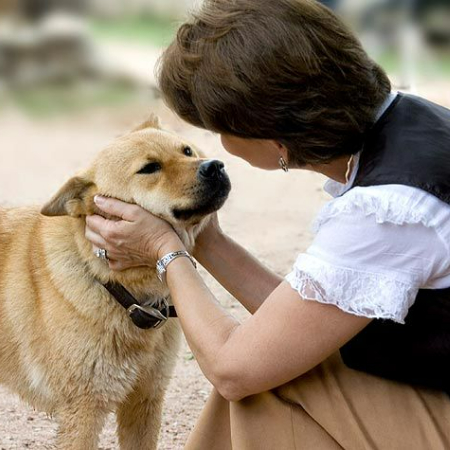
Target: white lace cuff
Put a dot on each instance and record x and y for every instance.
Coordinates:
(373, 295)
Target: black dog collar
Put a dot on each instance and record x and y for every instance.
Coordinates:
(143, 316)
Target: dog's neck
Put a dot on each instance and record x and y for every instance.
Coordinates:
(133, 278)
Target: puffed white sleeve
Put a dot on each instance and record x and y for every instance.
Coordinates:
(370, 256)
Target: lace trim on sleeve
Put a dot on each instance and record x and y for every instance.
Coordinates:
(373, 295)
(386, 207)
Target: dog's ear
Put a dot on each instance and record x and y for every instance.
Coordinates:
(73, 199)
(152, 121)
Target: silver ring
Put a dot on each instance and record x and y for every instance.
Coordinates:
(101, 253)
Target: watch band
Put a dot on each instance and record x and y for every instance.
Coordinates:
(161, 264)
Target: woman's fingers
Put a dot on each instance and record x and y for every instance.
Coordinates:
(95, 238)
(116, 208)
(103, 227)
(98, 242)
(109, 254)
(134, 241)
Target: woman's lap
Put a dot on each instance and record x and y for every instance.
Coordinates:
(331, 407)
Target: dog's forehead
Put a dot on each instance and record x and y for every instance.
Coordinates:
(155, 142)
(141, 144)
(153, 135)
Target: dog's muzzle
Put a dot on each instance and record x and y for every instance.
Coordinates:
(213, 188)
(212, 170)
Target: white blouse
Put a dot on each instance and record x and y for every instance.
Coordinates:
(374, 248)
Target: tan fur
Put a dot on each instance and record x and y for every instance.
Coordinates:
(66, 346)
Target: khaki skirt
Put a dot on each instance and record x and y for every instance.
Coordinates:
(331, 407)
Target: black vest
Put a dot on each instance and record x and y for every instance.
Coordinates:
(409, 145)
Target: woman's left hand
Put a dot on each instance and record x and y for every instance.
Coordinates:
(138, 239)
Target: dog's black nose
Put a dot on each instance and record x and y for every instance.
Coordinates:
(211, 169)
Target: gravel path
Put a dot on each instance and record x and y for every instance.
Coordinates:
(269, 213)
(38, 157)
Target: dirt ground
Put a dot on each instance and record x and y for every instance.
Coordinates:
(268, 212)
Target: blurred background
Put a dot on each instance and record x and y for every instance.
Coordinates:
(61, 56)
(74, 74)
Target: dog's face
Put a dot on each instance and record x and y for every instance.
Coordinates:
(154, 169)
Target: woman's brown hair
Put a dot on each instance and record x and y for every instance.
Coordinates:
(287, 70)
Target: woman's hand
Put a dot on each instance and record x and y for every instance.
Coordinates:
(138, 239)
(205, 241)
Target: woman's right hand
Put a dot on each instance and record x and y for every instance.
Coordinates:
(208, 236)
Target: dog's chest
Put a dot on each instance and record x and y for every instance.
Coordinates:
(114, 380)
(117, 364)
(104, 368)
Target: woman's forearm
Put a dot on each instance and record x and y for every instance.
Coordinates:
(240, 273)
(283, 340)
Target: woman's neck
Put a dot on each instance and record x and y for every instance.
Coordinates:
(336, 169)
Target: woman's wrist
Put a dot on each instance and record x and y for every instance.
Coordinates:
(170, 244)
(207, 241)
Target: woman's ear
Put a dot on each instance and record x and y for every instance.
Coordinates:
(73, 199)
(282, 150)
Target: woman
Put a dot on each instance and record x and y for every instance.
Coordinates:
(286, 84)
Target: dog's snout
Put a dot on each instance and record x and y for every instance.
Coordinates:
(211, 169)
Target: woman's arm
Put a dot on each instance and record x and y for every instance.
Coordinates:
(240, 273)
(285, 338)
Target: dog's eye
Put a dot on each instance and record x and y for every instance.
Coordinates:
(188, 151)
(151, 168)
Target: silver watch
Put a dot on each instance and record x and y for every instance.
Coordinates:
(161, 264)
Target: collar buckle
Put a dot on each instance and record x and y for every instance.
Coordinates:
(147, 316)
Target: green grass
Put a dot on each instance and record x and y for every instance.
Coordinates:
(444, 64)
(389, 61)
(145, 30)
(51, 101)
(438, 66)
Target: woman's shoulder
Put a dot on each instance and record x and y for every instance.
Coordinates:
(393, 203)
(374, 248)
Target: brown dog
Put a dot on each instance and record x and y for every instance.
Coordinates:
(67, 346)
